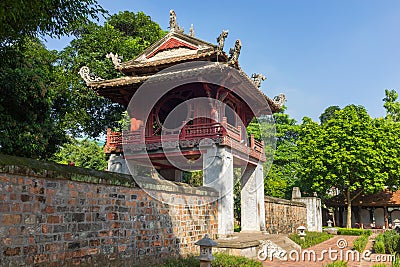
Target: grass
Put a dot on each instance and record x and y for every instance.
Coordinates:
(337, 264)
(221, 260)
(311, 238)
(179, 262)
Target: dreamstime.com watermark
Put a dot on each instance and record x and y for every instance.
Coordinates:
(269, 251)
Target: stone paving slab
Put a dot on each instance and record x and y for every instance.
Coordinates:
(344, 252)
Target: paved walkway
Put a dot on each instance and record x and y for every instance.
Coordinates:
(339, 247)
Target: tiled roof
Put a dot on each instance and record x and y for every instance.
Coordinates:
(112, 88)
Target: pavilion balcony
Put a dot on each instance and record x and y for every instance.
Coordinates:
(189, 136)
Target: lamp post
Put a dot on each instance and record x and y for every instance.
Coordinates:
(206, 244)
(301, 230)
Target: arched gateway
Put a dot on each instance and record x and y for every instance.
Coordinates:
(189, 104)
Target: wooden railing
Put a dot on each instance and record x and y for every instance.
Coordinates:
(115, 140)
(202, 130)
(232, 131)
(135, 137)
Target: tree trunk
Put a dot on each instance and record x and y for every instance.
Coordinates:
(348, 220)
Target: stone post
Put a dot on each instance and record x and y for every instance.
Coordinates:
(252, 199)
(218, 174)
(116, 163)
(314, 210)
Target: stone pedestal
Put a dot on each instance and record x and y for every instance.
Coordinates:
(218, 174)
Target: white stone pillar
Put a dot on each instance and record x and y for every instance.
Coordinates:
(252, 199)
(116, 163)
(314, 210)
(260, 195)
(218, 174)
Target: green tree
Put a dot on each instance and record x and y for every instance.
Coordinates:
(30, 120)
(392, 105)
(282, 175)
(20, 19)
(350, 152)
(42, 97)
(280, 133)
(328, 114)
(126, 34)
(83, 153)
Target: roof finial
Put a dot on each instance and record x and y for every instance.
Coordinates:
(173, 25)
(87, 76)
(116, 60)
(279, 100)
(191, 31)
(221, 39)
(235, 52)
(257, 78)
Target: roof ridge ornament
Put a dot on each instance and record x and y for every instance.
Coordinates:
(235, 52)
(191, 31)
(257, 79)
(87, 76)
(116, 60)
(221, 40)
(279, 100)
(173, 25)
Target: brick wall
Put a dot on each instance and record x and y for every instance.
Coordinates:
(284, 216)
(47, 217)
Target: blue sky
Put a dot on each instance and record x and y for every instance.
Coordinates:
(317, 52)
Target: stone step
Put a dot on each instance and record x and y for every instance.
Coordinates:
(250, 244)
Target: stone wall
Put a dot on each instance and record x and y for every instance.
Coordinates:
(45, 216)
(284, 216)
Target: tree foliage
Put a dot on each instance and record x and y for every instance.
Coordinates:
(392, 105)
(328, 114)
(82, 153)
(280, 133)
(29, 111)
(350, 152)
(20, 19)
(42, 97)
(281, 177)
(126, 34)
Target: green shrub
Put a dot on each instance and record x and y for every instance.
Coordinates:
(190, 261)
(388, 242)
(379, 247)
(379, 265)
(221, 260)
(225, 260)
(396, 261)
(337, 264)
(380, 238)
(311, 238)
(360, 243)
(354, 231)
(392, 241)
(368, 232)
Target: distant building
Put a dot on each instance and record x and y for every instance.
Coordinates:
(378, 210)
